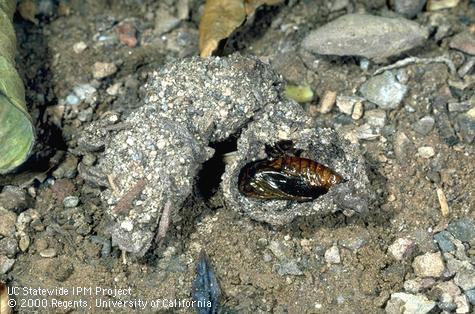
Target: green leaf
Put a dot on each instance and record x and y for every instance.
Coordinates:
(16, 129)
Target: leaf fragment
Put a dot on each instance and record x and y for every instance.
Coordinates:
(300, 94)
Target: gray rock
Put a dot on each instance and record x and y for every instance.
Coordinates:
(402, 248)
(463, 306)
(6, 264)
(460, 106)
(15, 198)
(428, 265)
(464, 41)
(446, 288)
(376, 118)
(332, 255)
(165, 22)
(444, 241)
(279, 250)
(409, 304)
(424, 125)
(71, 201)
(425, 152)
(384, 90)
(408, 8)
(418, 284)
(289, 267)
(7, 222)
(8, 246)
(471, 296)
(444, 126)
(363, 35)
(466, 124)
(67, 169)
(465, 278)
(462, 229)
(367, 132)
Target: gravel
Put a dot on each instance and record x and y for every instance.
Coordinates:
(364, 35)
(408, 8)
(384, 90)
(409, 304)
(102, 70)
(402, 249)
(15, 198)
(424, 125)
(71, 201)
(7, 222)
(332, 255)
(462, 229)
(444, 241)
(6, 264)
(429, 265)
(464, 41)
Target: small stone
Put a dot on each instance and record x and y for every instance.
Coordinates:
(409, 304)
(48, 253)
(24, 242)
(72, 100)
(444, 205)
(8, 246)
(444, 241)
(332, 255)
(465, 278)
(353, 243)
(328, 101)
(376, 118)
(462, 303)
(5, 264)
(79, 47)
(402, 249)
(466, 124)
(366, 132)
(434, 5)
(460, 106)
(408, 8)
(114, 89)
(346, 103)
(384, 90)
(15, 199)
(278, 249)
(418, 284)
(7, 222)
(71, 201)
(424, 125)
(425, 152)
(358, 111)
(464, 41)
(366, 36)
(165, 22)
(67, 169)
(446, 288)
(85, 92)
(262, 242)
(103, 69)
(462, 229)
(289, 267)
(429, 265)
(267, 257)
(127, 34)
(471, 296)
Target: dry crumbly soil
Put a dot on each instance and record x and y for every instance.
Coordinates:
(247, 269)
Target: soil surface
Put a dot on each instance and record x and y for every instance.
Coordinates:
(315, 264)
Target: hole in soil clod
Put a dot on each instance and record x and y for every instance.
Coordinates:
(209, 177)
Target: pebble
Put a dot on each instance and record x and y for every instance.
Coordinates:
(127, 34)
(332, 255)
(425, 152)
(72, 100)
(15, 198)
(85, 92)
(460, 106)
(5, 264)
(366, 132)
(8, 246)
(465, 278)
(409, 304)
(466, 124)
(462, 229)
(346, 103)
(444, 241)
(408, 8)
(67, 169)
(289, 267)
(358, 111)
(464, 41)
(384, 90)
(353, 243)
(424, 125)
(462, 303)
(114, 89)
(365, 36)
(447, 288)
(418, 284)
(79, 47)
(402, 249)
(428, 265)
(434, 5)
(165, 22)
(7, 222)
(103, 69)
(471, 296)
(376, 118)
(328, 101)
(267, 257)
(71, 201)
(24, 242)
(48, 253)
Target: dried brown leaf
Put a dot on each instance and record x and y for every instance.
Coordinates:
(220, 18)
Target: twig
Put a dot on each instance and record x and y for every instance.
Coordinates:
(126, 200)
(415, 60)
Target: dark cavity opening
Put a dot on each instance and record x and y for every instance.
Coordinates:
(209, 177)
